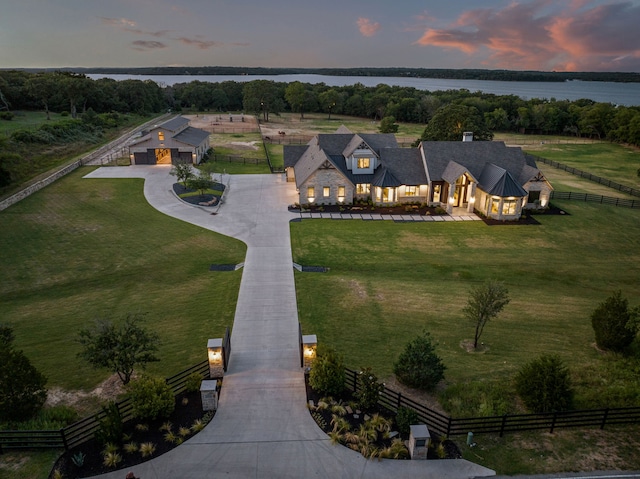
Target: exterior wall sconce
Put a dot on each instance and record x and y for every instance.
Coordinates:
(214, 354)
(309, 349)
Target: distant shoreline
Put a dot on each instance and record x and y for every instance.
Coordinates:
(439, 73)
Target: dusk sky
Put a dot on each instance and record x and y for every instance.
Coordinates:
(573, 35)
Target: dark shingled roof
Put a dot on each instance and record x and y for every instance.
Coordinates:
(474, 155)
(292, 154)
(192, 136)
(174, 124)
(499, 182)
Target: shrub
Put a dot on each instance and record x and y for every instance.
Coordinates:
(6, 115)
(78, 459)
(110, 427)
(327, 374)
(192, 383)
(147, 449)
(151, 398)
(112, 459)
(368, 389)
(612, 323)
(419, 366)
(405, 417)
(544, 385)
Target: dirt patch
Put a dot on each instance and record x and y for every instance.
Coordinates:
(13, 462)
(467, 345)
(107, 390)
(358, 289)
(215, 121)
(244, 145)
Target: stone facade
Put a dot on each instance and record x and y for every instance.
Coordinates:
(321, 179)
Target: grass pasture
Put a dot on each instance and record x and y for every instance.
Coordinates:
(69, 256)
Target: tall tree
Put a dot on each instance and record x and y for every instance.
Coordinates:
(295, 94)
(262, 97)
(22, 386)
(119, 347)
(43, 86)
(452, 120)
(485, 303)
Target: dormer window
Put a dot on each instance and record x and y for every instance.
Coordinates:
(364, 163)
(161, 135)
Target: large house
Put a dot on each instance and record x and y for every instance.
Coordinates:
(343, 167)
(171, 142)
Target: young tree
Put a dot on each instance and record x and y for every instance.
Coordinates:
(419, 366)
(614, 323)
(544, 385)
(202, 182)
(484, 304)
(119, 347)
(182, 172)
(22, 386)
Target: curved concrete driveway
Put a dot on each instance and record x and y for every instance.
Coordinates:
(262, 427)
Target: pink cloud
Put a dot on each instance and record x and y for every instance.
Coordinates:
(367, 27)
(547, 35)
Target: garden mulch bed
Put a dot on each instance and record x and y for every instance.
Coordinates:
(357, 418)
(378, 210)
(184, 415)
(200, 200)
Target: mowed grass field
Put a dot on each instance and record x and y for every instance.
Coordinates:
(83, 249)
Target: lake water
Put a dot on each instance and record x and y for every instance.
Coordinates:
(608, 92)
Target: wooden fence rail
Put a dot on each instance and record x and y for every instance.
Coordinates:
(604, 200)
(83, 430)
(448, 426)
(589, 176)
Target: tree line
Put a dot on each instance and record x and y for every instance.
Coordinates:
(76, 93)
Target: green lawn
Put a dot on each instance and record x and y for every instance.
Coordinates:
(70, 255)
(388, 281)
(27, 120)
(608, 160)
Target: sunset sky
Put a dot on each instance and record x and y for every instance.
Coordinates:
(574, 35)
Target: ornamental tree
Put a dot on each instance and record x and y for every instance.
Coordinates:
(485, 303)
(614, 323)
(419, 366)
(119, 347)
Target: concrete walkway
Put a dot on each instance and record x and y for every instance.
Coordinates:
(262, 428)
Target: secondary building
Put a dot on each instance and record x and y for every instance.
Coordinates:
(342, 168)
(169, 143)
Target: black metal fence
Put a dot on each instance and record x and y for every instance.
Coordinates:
(448, 426)
(589, 176)
(238, 159)
(83, 430)
(604, 200)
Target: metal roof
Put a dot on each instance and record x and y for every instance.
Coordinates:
(192, 136)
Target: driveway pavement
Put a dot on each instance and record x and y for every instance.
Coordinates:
(262, 428)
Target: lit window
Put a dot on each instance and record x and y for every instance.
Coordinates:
(437, 189)
(411, 190)
(311, 193)
(363, 188)
(364, 163)
(161, 136)
(495, 205)
(326, 191)
(509, 207)
(341, 192)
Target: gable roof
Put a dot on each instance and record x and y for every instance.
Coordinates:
(173, 124)
(192, 136)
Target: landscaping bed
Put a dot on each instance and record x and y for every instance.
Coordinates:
(183, 423)
(374, 432)
(190, 195)
(399, 209)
